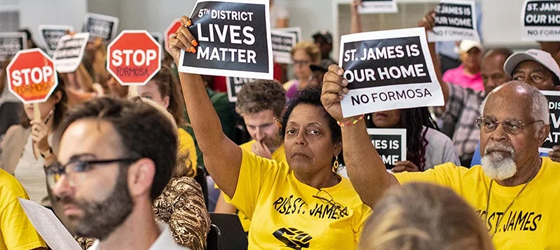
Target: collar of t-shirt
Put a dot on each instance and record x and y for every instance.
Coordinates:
(165, 241)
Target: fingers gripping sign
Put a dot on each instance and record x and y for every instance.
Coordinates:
(334, 89)
(182, 40)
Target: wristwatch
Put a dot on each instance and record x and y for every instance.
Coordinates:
(47, 153)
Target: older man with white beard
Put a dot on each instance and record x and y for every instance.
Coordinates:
(515, 191)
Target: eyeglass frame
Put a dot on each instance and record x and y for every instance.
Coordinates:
(60, 169)
(521, 125)
(323, 199)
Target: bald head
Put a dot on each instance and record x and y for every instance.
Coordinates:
(518, 94)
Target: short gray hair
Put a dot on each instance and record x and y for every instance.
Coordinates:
(539, 108)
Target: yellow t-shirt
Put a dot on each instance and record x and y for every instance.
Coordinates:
(16, 231)
(287, 214)
(187, 144)
(278, 155)
(532, 222)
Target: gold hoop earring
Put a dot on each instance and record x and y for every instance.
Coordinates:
(335, 164)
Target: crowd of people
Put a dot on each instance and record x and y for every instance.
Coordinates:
(145, 169)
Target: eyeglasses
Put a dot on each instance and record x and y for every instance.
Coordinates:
(329, 200)
(75, 170)
(487, 125)
(301, 62)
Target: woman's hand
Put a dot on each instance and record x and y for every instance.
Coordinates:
(334, 89)
(182, 40)
(39, 135)
(402, 166)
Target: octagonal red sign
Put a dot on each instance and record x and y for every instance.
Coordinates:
(133, 57)
(32, 76)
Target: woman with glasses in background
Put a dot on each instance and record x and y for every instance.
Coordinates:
(303, 55)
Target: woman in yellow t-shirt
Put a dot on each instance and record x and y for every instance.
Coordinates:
(164, 90)
(300, 203)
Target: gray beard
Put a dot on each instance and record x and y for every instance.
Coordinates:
(498, 167)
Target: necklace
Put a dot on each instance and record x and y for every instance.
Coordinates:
(510, 204)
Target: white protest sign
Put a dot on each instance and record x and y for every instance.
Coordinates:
(294, 30)
(48, 226)
(378, 6)
(541, 20)
(69, 52)
(388, 70)
(455, 21)
(554, 109)
(390, 143)
(51, 34)
(11, 43)
(233, 38)
(282, 44)
(101, 26)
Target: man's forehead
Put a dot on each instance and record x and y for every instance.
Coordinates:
(531, 66)
(508, 105)
(89, 136)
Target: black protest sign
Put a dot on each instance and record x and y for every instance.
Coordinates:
(233, 38)
(51, 34)
(378, 6)
(390, 144)
(455, 21)
(541, 20)
(11, 43)
(388, 70)
(234, 85)
(101, 26)
(554, 109)
(69, 52)
(282, 44)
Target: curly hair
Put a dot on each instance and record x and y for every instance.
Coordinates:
(414, 120)
(260, 95)
(312, 96)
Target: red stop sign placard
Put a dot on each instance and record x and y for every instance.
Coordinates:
(170, 31)
(133, 57)
(32, 76)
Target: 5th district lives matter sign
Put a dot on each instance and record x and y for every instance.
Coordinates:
(388, 70)
(233, 38)
(455, 20)
(390, 144)
(541, 20)
(554, 108)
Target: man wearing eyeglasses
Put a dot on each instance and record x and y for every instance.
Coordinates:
(115, 158)
(515, 191)
(539, 69)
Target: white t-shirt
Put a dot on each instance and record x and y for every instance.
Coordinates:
(164, 241)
